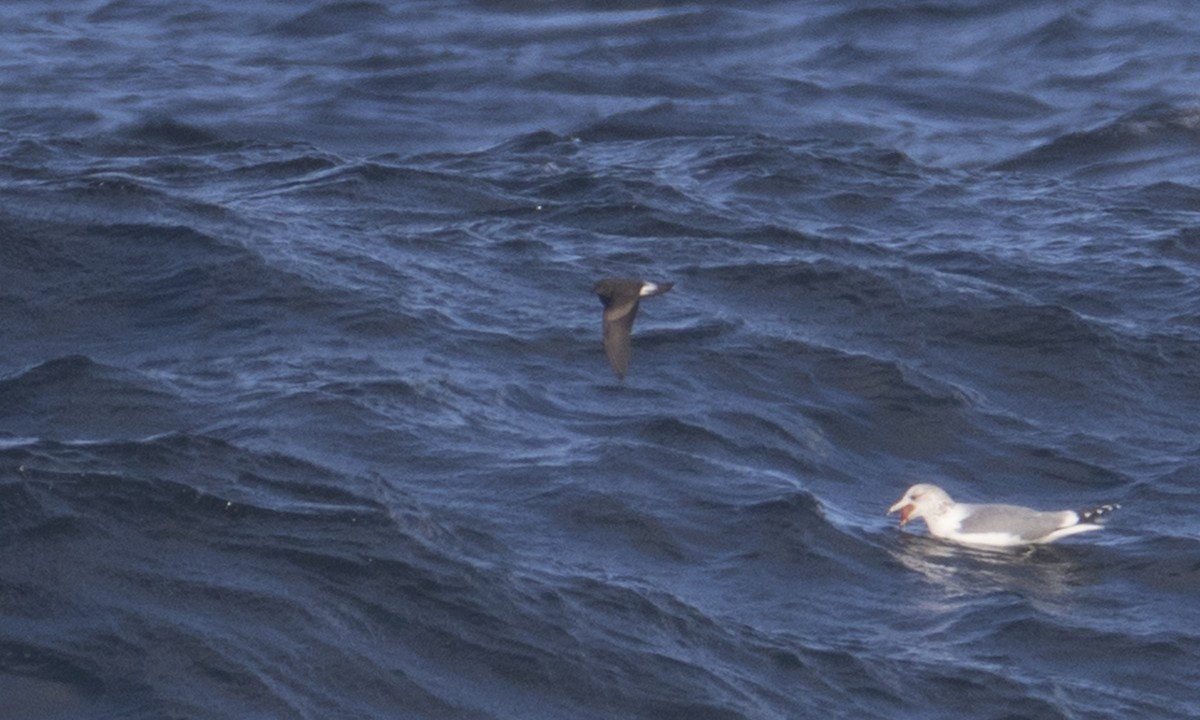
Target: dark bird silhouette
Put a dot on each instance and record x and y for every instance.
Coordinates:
(620, 298)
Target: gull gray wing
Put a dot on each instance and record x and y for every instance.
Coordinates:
(1022, 522)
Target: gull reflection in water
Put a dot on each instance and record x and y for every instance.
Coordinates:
(1041, 571)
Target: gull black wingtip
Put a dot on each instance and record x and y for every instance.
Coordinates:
(620, 297)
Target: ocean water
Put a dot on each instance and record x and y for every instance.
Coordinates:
(304, 411)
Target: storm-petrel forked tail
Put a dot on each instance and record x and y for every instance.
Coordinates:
(620, 298)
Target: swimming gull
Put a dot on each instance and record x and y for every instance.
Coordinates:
(993, 525)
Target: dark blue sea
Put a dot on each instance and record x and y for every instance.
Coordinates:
(304, 411)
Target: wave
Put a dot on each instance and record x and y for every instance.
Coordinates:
(1149, 145)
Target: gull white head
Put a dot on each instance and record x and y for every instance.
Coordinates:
(921, 501)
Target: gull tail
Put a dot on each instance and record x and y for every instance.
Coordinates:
(1096, 513)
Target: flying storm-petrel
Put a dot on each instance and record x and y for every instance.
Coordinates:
(620, 298)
